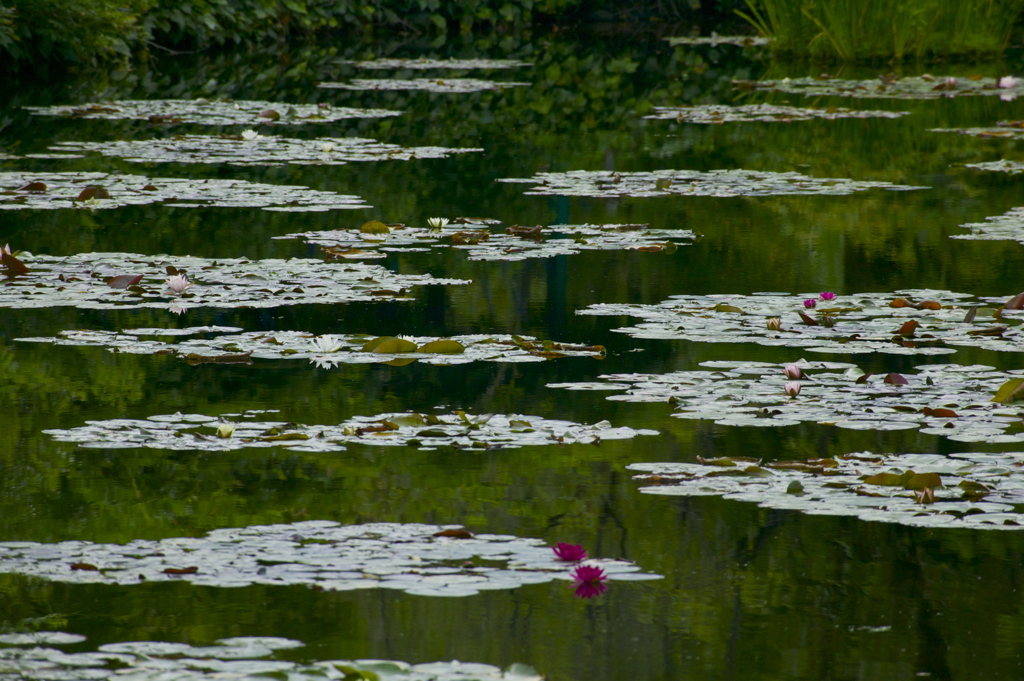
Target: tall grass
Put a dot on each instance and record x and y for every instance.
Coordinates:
(854, 30)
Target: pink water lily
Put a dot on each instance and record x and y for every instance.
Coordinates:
(570, 553)
(826, 296)
(792, 388)
(792, 371)
(178, 283)
(810, 302)
(589, 581)
(1008, 82)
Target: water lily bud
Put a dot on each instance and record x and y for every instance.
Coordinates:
(810, 302)
(774, 324)
(792, 388)
(225, 430)
(792, 371)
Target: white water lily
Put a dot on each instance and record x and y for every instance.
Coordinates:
(327, 147)
(325, 343)
(1008, 82)
(324, 362)
(437, 224)
(225, 430)
(250, 135)
(178, 283)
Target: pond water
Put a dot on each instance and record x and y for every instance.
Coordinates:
(291, 437)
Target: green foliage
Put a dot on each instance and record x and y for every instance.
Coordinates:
(868, 29)
(77, 31)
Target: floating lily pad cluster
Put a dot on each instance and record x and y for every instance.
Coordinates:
(713, 39)
(325, 351)
(423, 64)
(940, 399)
(426, 431)
(910, 322)
(438, 85)
(514, 243)
(911, 87)
(108, 281)
(423, 560)
(1000, 166)
(1011, 130)
(104, 190)
(720, 183)
(258, 150)
(762, 113)
(970, 490)
(1006, 227)
(210, 112)
(242, 657)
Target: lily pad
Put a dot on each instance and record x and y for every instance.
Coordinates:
(258, 151)
(62, 190)
(911, 87)
(1010, 130)
(239, 657)
(1006, 227)
(966, 490)
(210, 112)
(324, 351)
(949, 400)
(769, 113)
(849, 324)
(80, 281)
(423, 64)
(437, 85)
(714, 39)
(481, 242)
(719, 183)
(1000, 166)
(333, 557)
(184, 432)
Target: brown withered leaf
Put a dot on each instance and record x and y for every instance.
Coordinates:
(191, 570)
(93, 192)
(13, 265)
(192, 359)
(864, 378)
(535, 233)
(808, 320)
(123, 280)
(895, 379)
(941, 413)
(84, 566)
(455, 534)
(1015, 303)
(908, 328)
(33, 187)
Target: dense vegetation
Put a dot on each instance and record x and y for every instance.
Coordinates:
(87, 31)
(861, 29)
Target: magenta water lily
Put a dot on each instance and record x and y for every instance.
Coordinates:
(589, 581)
(810, 302)
(570, 553)
(826, 296)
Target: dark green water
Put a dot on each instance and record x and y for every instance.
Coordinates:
(749, 593)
